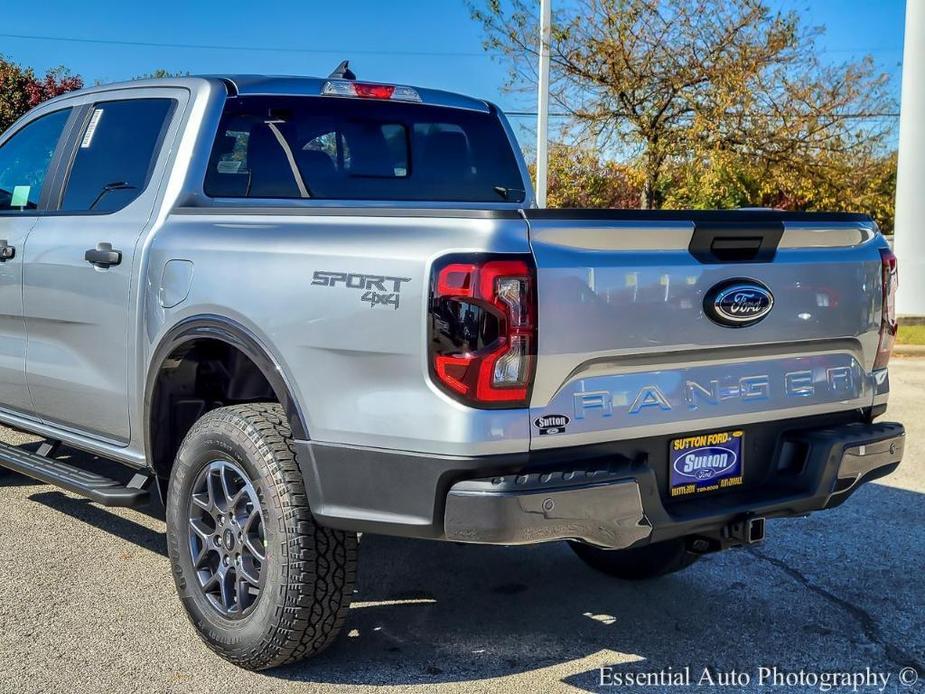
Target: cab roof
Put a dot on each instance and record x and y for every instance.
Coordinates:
(285, 85)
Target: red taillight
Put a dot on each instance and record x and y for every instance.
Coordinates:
(367, 90)
(374, 91)
(888, 325)
(483, 330)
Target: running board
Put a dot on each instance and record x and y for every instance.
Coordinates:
(95, 487)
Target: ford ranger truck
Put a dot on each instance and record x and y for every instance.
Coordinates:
(297, 310)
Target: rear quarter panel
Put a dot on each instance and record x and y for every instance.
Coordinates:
(358, 370)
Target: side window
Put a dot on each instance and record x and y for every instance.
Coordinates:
(24, 160)
(116, 153)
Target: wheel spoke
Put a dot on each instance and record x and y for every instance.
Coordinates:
(203, 532)
(256, 548)
(242, 589)
(236, 499)
(199, 561)
(204, 504)
(226, 491)
(211, 582)
(210, 486)
(226, 579)
(205, 544)
(245, 572)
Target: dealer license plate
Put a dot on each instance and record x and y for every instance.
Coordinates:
(705, 463)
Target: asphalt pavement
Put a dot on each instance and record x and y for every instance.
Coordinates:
(87, 605)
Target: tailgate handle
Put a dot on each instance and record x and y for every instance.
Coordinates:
(736, 242)
(735, 248)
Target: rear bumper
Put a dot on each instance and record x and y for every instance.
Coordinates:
(613, 497)
(618, 513)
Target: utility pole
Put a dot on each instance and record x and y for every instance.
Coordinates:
(542, 111)
(910, 202)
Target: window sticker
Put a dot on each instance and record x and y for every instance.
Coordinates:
(229, 166)
(91, 128)
(20, 196)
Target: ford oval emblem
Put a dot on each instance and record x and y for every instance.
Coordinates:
(737, 303)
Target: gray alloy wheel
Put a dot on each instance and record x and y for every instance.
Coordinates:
(226, 538)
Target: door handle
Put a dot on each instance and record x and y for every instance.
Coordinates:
(6, 251)
(103, 255)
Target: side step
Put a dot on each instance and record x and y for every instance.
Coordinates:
(95, 487)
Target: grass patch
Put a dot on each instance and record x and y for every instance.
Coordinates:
(911, 335)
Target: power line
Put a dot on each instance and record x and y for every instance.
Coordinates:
(261, 49)
(325, 51)
(533, 114)
(871, 115)
(865, 51)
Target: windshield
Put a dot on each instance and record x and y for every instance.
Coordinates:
(353, 149)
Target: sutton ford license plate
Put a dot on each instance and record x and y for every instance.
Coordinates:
(705, 463)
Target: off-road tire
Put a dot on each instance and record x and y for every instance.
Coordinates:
(639, 563)
(310, 571)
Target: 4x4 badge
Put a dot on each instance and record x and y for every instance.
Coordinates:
(378, 290)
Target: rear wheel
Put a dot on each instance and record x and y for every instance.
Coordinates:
(263, 584)
(639, 563)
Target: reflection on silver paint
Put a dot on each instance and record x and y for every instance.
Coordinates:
(606, 406)
(747, 388)
(836, 381)
(797, 235)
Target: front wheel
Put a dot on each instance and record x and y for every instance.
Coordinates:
(638, 563)
(263, 584)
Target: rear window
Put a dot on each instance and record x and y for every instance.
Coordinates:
(350, 149)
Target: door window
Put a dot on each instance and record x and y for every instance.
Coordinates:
(116, 153)
(24, 161)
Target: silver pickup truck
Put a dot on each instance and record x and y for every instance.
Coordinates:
(300, 309)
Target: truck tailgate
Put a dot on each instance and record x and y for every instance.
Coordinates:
(630, 344)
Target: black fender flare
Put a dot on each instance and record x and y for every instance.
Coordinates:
(232, 333)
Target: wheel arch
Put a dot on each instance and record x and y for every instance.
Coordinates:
(235, 336)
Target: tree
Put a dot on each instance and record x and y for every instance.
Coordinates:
(700, 81)
(160, 73)
(857, 181)
(21, 90)
(578, 177)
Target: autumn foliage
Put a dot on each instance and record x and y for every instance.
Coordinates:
(21, 89)
(704, 103)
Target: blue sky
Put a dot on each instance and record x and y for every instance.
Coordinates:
(430, 43)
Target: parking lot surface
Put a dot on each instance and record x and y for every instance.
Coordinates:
(88, 603)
